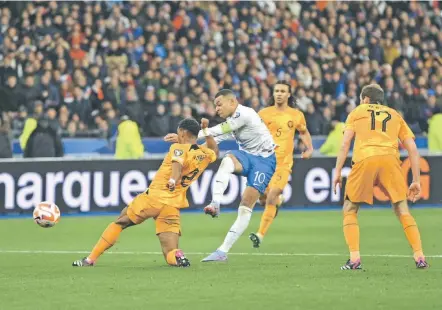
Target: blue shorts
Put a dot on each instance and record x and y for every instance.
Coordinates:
(258, 170)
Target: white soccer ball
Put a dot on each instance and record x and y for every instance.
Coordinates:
(46, 214)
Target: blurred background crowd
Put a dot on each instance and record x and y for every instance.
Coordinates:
(82, 66)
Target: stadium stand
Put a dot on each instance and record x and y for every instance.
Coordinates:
(85, 64)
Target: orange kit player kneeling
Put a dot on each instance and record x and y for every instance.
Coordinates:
(165, 196)
(377, 129)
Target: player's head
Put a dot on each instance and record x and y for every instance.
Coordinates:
(188, 129)
(225, 103)
(282, 94)
(372, 94)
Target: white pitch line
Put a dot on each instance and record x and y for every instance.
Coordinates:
(204, 253)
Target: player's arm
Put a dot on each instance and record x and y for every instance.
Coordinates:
(175, 175)
(178, 157)
(226, 127)
(171, 137)
(407, 138)
(342, 155)
(305, 136)
(413, 154)
(211, 143)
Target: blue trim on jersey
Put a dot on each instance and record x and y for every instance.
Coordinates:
(258, 170)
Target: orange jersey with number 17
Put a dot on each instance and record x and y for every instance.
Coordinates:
(194, 160)
(283, 126)
(377, 130)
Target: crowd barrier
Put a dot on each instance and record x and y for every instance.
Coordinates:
(79, 146)
(108, 184)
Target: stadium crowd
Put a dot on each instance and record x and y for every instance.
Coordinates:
(83, 65)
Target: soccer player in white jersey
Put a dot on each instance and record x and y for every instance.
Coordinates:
(255, 160)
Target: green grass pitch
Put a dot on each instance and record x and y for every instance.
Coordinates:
(297, 266)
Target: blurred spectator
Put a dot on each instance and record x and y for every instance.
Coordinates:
(435, 132)
(159, 124)
(48, 91)
(44, 141)
(128, 144)
(175, 117)
(333, 142)
(18, 123)
(5, 142)
(314, 120)
(31, 92)
(115, 93)
(11, 95)
(30, 124)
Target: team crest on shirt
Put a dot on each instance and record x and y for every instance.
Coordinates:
(178, 152)
(290, 124)
(200, 157)
(236, 115)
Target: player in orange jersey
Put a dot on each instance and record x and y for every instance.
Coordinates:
(165, 196)
(377, 129)
(282, 120)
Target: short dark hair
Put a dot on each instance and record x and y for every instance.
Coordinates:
(291, 100)
(374, 92)
(225, 92)
(191, 125)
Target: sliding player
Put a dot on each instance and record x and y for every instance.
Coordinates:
(165, 196)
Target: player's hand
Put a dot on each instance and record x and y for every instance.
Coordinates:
(414, 191)
(171, 185)
(204, 123)
(337, 181)
(171, 137)
(307, 154)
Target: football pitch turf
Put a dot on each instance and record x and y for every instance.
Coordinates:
(297, 266)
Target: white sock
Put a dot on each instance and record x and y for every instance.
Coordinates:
(237, 229)
(222, 178)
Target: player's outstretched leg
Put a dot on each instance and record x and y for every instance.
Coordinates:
(273, 202)
(106, 241)
(228, 165)
(242, 221)
(237, 229)
(411, 232)
(351, 234)
(173, 255)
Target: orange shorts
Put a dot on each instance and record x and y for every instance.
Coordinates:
(384, 171)
(143, 207)
(280, 178)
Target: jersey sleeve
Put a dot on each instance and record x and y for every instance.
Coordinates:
(350, 122)
(404, 131)
(178, 153)
(211, 156)
(262, 114)
(300, 122)
(223, 137)
(235, 122)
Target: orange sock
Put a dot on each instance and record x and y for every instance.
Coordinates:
(412, 234)
(107, 240)
(170, 258)
(351, 234)
(267, 219)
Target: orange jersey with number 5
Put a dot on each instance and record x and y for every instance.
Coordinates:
(378, 130)
(283, 126)
(194, 160)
